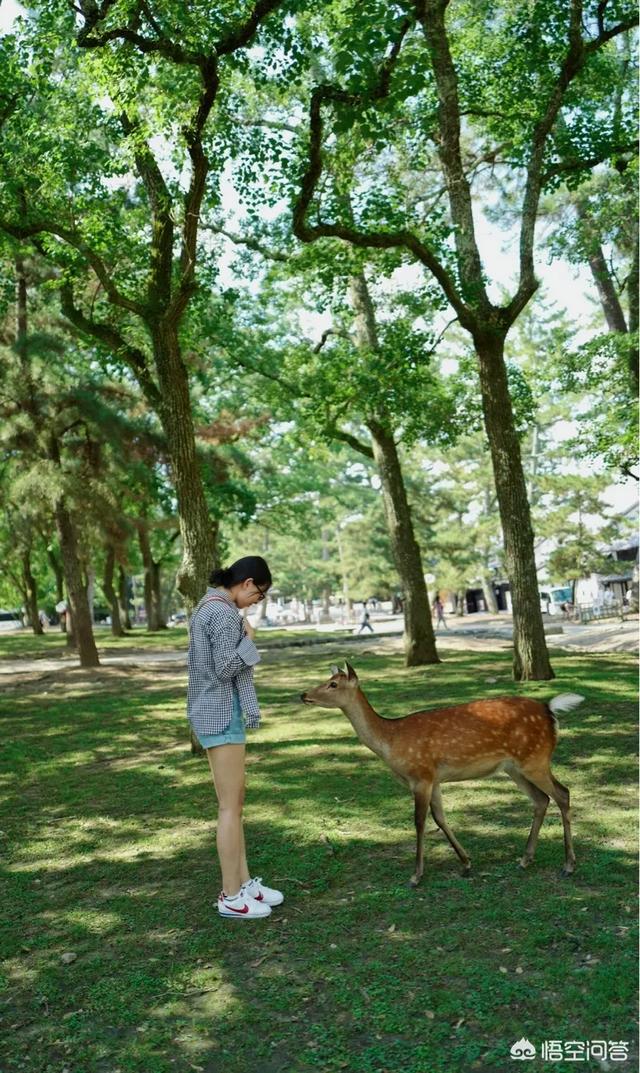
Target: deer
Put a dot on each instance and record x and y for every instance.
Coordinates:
(426, 748)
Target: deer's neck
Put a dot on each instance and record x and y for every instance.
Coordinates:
(372, 730)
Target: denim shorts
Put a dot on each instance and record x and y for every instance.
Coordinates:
(233, 735)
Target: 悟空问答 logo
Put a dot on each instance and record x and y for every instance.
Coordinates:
(523, 1050)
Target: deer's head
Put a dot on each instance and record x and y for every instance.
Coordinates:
(337, 692)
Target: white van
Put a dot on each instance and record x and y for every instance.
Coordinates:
(552, 599)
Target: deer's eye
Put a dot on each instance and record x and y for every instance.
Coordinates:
(333, 685)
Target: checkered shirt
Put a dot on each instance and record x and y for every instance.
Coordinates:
(221, 658)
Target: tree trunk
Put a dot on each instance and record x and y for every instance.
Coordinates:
(419, 638)
(489, 594)
(611, 305)
(56, 566)
(110, 592)
(199, 552)
(634, 313)
(31, 594)
(123, 599)
(80, 613)
(152, 580)
(157, 614)
(607, 292)
(530, 657)
(90, 587)
(147, 563)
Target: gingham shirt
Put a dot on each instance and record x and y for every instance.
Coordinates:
(221, 658)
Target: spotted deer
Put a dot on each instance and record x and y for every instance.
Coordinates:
(516, 735)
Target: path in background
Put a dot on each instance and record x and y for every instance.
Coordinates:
(481, 631)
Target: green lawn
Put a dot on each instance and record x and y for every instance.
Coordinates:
(25, 645)
(108, 835)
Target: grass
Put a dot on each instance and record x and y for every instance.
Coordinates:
(108, 832)
(25, 645)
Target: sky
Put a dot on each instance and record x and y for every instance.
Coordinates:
(572, 287)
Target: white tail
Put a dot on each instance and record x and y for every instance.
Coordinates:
(565, 702)
(516, 735)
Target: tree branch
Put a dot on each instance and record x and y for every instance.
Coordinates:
(578, 164)
(242, 35)
(161, 204)
(576, 56)
(195, 194)
(346, 437)
(250, 243)
(111, 338)
(325, 335)
(72, 238)
(432, 16)
(331, 94)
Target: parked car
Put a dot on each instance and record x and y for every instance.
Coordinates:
(10, 620)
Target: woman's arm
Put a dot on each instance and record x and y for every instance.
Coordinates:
(229, 656)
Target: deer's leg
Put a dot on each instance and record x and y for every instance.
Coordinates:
(546, 782)
(540, 802)
(437, 811)
(421, 798)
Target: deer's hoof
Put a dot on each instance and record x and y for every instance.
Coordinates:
(414, 882)
(466, 872)
(524, 863)
(566, 873)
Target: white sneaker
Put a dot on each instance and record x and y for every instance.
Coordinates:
(242, 906)
(256, 889)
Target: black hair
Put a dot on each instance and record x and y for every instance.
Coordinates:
(250, 566)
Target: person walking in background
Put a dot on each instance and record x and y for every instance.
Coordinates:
(221, 702)
(438, 610)
(365, 623)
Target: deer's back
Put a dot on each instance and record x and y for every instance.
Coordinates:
(470, 740)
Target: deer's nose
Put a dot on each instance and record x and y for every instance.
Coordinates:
(303, 696)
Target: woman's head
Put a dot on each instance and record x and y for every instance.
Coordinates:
(247, 580)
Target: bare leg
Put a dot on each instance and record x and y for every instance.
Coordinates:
(421, 797)
(540, 803)
(244, 868)
(437, 812)
(546, 782)
(227, 768)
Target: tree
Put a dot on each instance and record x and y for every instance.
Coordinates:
(424, 94)
(578, 551)
(126, 252)
(366, 383)
(38, 419)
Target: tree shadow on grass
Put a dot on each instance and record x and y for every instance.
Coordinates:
(116, 863)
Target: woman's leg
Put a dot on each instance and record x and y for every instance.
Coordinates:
(227, 768)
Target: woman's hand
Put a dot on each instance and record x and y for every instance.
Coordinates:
(249, 629)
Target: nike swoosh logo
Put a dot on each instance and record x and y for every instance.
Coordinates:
(245, 908)
(259, 897)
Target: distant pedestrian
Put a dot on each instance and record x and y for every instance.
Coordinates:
(43, 619)
(438, 610)
(364, 621)
(61, 610)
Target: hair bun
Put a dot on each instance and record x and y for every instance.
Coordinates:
(221, 576)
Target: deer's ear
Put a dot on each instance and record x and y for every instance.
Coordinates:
(351, 674)
(335, 670)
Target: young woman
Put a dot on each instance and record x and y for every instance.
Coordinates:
(221, 701)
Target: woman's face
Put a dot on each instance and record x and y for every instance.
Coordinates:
(248, 593)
